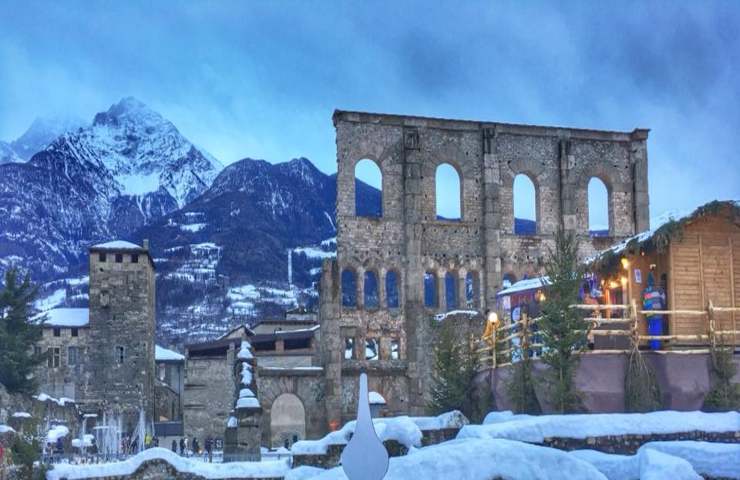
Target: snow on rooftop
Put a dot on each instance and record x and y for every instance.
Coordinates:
(265, 469)
(56, 432)
(67, 317)
(162, 354)
(524, 285)
(376, 399)
(5, 429)
(62, 401)
(21, 415)
(117, 245)
(656, 223)
(536, 428)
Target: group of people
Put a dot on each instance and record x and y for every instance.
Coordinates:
(194, 447)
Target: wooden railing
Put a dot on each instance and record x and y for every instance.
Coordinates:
(509, 343)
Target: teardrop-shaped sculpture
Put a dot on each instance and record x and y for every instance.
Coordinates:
(365, 456)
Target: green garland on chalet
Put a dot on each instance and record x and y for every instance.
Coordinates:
(608, 262)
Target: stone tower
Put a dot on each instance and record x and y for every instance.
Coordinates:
(122, 331)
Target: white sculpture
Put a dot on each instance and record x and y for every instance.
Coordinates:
(365, 456)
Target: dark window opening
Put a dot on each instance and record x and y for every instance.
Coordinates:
(101, 257)
(391, 290)
(372, 349)
(297, 343)
(54, 358)
(450, 291)
(57, 331)
(430, 290)
(395, 349)
(349, 348)
(349, 288)
(120, 354)
(135, 258)
(119, 258)
(75, 332)
(372, 296)
(264, 346)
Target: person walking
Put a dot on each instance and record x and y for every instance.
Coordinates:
(182, 446)
(209, 449)
(174, 445)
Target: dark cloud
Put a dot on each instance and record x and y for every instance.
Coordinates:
(261, 79)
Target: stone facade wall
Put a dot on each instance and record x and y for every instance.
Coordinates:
(209, 393)
(69, 378)
(122, 315)
(410, 239)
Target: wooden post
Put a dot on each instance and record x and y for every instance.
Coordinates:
(635, 332)
(493, 348)
(710, 315)
(732, 293)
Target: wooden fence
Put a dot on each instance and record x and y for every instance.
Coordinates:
(520, 339)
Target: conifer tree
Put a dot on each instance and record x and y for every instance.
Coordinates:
(18, 335)
(562, 328)
(454, 371)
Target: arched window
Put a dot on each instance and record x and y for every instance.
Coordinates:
(371, 298)
(471, 289)
(450, 291)
(392, 299)
(430, 290)
(349, 288)
(368, 189)
(525, 206)
(598, 208)
(448, 193)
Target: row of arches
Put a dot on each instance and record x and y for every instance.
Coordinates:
(371, 295)
(525, 206)
(453, 292)
(448, 295)
(448, 193)
(448, 198)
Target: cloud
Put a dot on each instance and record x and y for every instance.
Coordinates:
(261, 79)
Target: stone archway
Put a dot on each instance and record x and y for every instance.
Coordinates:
(287, 420)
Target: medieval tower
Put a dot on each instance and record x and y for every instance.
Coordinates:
(122, 331)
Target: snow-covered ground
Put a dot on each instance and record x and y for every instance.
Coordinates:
(479, 454)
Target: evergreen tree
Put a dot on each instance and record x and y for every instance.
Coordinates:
(562, 328)
(454, 371)
(724, 395)
(18, 335)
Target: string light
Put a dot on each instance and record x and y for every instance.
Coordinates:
(625, 263)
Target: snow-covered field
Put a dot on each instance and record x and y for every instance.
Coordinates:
(498, 448)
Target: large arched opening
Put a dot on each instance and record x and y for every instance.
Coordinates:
(448, 194)
(598, 208)
(368, 189)
(287, 420)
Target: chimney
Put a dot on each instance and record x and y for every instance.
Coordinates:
(146, 244)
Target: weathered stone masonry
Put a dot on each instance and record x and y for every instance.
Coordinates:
(410, 240)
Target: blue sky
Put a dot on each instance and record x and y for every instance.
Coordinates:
(261, 79)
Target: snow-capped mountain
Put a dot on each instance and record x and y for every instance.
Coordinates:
(41, 133)
(128, 168)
